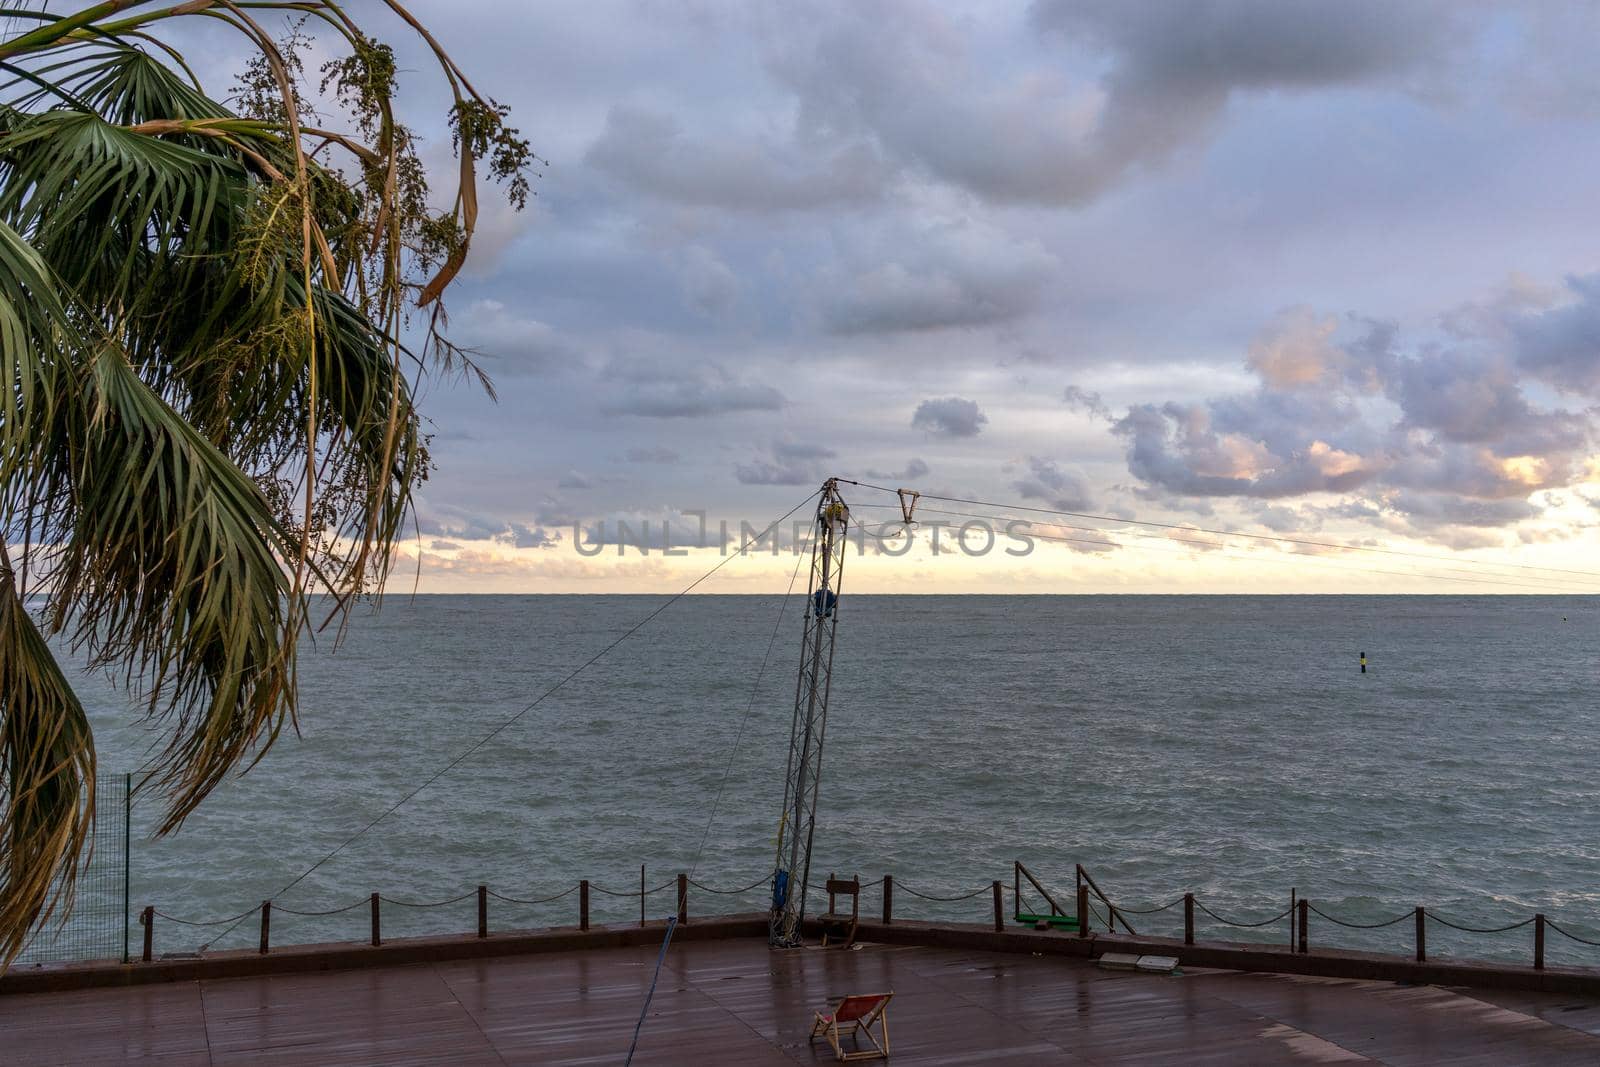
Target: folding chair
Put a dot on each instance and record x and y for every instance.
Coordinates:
(835, 924)
(859, 1013)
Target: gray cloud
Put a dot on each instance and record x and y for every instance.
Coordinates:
(651, 152)
(663, 529)
(1561, 345)
(443, 546)
(450, 522)
(1442, 437)
(575, 480)
(1066, 490)
(950, 416)
(791, 463)
(914, 469)
(530, 537)
(1090, 403)
(793, 218)
(656, 454)
(910, 81)
(956, 273)
(651, 390)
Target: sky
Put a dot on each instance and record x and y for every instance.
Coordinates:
(1325, 272)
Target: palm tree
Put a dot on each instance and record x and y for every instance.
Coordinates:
(212, 323)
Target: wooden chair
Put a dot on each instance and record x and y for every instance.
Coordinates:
(858, 1013)
(837, 926)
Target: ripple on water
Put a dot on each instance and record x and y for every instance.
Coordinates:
(1224, 745)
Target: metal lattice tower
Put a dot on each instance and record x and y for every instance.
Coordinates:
(792, 869)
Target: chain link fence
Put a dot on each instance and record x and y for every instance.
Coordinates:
(97, 929)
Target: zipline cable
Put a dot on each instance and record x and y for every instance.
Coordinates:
(492, 734)
(672, 921)
(1228, 533)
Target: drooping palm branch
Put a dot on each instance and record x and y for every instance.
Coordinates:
(208, 414)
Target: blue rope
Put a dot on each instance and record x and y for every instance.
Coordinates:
(672, 924)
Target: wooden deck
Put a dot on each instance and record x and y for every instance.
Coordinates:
(734, 1002)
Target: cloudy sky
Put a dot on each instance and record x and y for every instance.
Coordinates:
(1322, 271)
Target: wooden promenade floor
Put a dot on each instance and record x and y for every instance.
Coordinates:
(733, 1002)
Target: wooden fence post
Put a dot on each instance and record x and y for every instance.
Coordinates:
(266, 923)
(999, 909)
(1188, 918)
(641, 894)
(1305, 914)
(583, 904)
(148, 918)
(1538, 942)
(1294, 904)
(1422, 935)
(1083, 910)
(888, 899)
(376, 938)
(483, 911)
(683, 898)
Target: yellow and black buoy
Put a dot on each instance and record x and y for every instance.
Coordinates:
(1363, 663)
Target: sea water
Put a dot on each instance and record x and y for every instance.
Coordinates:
(1229, 746)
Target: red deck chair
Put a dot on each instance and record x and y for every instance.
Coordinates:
(858, 1013)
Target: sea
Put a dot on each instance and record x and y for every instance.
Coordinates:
(1229, 746)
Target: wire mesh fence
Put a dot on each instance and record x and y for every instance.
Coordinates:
(97, 927)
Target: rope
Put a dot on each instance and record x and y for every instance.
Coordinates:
(546, 899)
(755, 690)
(1146, 911)
(211, 922)
(930, 896)
(1230, 922)
(318, 914)
(729, 892)
(1551, 923)
(435, 904)
(1359, 926)
(585, 665)
(1441, 920)
(598, 888)
(672, 924)
(542, 900)
(727, 768)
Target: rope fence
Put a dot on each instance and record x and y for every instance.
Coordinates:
(1094, 911)
(1359, 926)
(1298, 915)
(542, 900)
(1242, 925)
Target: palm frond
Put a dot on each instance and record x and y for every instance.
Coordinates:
(46, 777)
(170, 570)
(205, 402)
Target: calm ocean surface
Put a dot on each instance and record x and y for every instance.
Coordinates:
(1227, 745)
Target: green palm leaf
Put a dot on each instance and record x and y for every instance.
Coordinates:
(209, 409)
